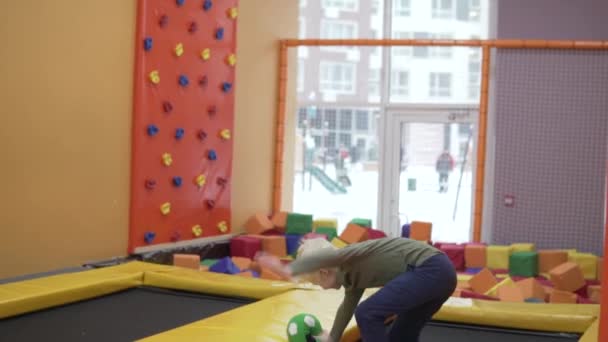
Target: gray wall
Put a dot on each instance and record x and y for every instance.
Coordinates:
(551, 115)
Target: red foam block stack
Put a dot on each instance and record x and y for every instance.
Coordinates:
(245, 246)
(455, 253)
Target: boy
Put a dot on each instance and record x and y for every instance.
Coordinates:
(416, 280)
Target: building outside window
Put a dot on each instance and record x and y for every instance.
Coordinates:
(338, 77)
(440, 84)
(343, 5)
(402, 8)
(443, 9)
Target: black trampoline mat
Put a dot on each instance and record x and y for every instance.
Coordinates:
(440, 331)
(123, 316)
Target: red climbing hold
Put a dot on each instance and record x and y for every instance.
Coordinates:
(193, 27)
(163, 21)
(167, 107)
(210, 204)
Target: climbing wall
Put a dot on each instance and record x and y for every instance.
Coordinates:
(182, 120)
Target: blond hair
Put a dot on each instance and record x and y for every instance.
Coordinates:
(310, 247)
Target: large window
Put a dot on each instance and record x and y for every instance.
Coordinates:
(440, 84)
(344, 92)
(338, 77)
(344, 5)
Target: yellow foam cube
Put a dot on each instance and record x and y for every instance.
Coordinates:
(498, 257)
(494, 290)
(338, 243)
(523, 247)
(570, 251)
(587, 262)
(325, 222)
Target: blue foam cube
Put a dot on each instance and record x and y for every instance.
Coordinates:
(293, 242)
(226, 266)
(405, 231)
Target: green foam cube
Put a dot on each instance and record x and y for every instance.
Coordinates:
(299, 224)
(362, 222)
(523, 264)
(329, 231)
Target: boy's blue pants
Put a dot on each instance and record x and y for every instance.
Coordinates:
(414, 296)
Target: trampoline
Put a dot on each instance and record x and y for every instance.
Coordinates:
(440, 331)
(128, 315)
(159, 303)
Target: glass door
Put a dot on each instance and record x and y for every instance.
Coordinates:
(432, 171)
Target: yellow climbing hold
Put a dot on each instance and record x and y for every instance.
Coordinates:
(197, 230)
(165, 209)
(222, 226)
(206, 54)
(167, 159)
(155, 77)
(200, 180)
(231, 60)
(179, 50)
(233, 12)
(225, 134)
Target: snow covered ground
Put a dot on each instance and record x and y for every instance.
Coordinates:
(426, 203)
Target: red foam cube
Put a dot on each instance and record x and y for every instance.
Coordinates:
(245, 246)
(474, 295)
(375, 234)
(456, 255)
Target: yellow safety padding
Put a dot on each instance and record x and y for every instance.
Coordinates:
(215, 283)
(41, 293)
(592, 333)
(265, 320)
(573, 318)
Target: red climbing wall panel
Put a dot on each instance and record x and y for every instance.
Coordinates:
(182, 120)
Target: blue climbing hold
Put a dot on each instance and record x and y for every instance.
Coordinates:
(226, 266)
(180, 3)
(152, 130)
(226, 86)
(177, 181)
(219, 33)
(207, 5)
(183, 80)
(179, 133)
(212, 155)
(149, 237)
(148, 44)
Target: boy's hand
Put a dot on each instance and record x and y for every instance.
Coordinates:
(274, 264)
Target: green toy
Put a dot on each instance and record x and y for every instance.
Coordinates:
(303, 328)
